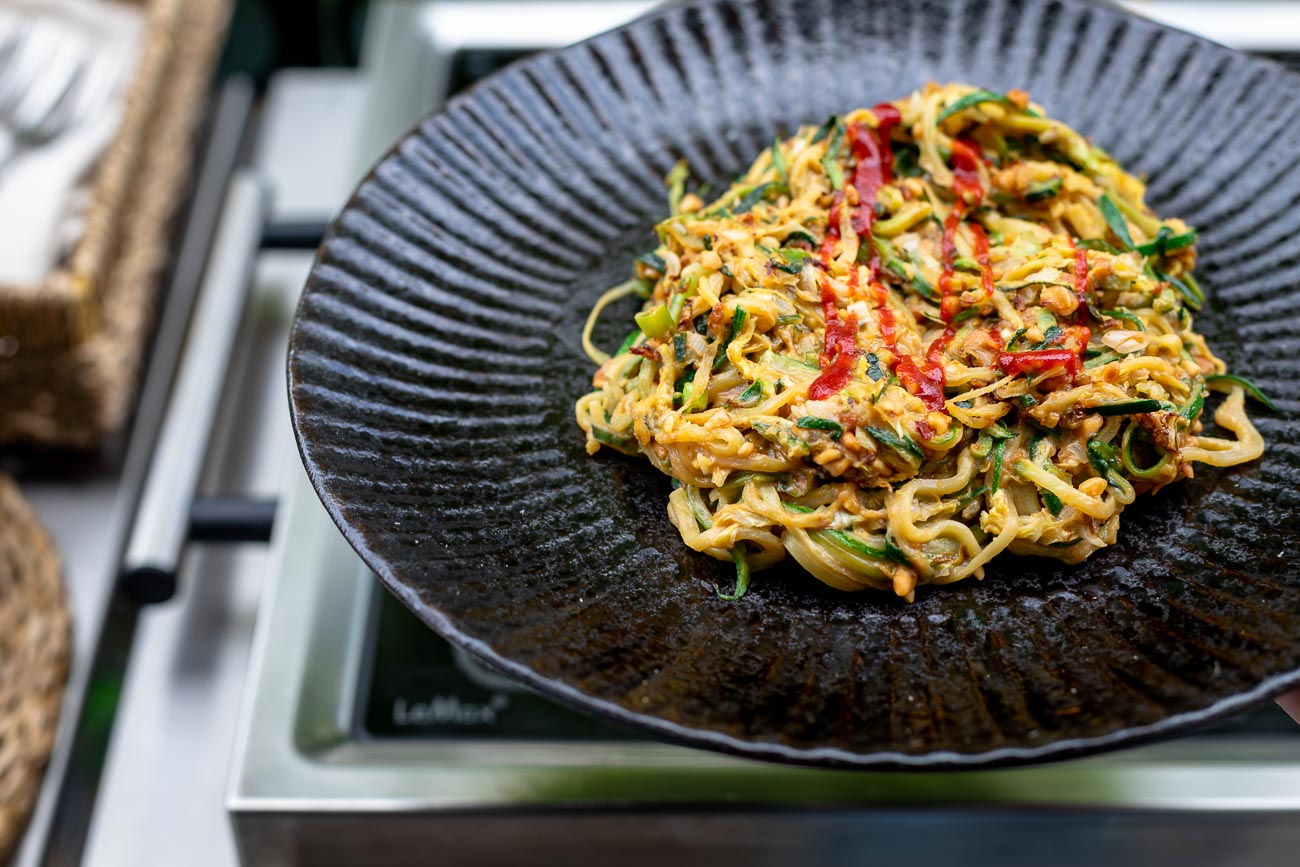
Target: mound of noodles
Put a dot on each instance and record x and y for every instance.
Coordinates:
(913, 338)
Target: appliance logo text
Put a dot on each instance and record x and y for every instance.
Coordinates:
(449, 710)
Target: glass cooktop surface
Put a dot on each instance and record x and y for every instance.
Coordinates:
(416, 685)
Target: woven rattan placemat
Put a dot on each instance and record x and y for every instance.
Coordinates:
(34, 655)
(74, 396)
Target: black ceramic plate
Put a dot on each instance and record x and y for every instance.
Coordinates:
(436, 358)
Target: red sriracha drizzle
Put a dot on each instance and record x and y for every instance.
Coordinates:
(966, 159)
(1013, 363)
(874, 169)
(841, 349)
(1080, 272)
(875, 161)
(927, 381)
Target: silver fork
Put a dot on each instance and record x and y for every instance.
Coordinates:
(55, 79)
(12, 29)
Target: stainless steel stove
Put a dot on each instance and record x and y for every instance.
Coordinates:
(361, 720)
(362, 738)
(369, 740)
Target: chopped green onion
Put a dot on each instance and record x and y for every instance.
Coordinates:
(893, 552)
(998, 448)
(799, 236)
(778, 162)
(675, 305)
(629, 341)
(737, 323)
(973, 99)
(1115, 220)
(815, 422)
(787, 364)
(1166, 242)
(1104, 358)
(1053, 502)
(1103, 459)
(1130, 462)
(1195, 401)
(692, 402)
(654, 261)
(825, 129)
(1042, 190)
(949, 438)
(831, 159)
(739, 480)
(998, 432)
(656, 322)
(752, 394)
(742, 576)
(1050, 336)
(902, 444)
(848, 540)
(753, 197)
(1191, 292)
(1120, 314)
(965, 499)
(1044, 319)
(699, 509)
(791, 259)
(1038, 438)
(1249, 387)
(1097, 244)
(677, 185)
(895, 265)
(884, 386)
(609, 438)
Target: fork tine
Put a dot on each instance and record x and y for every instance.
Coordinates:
(13, 28)
(86, 93)
(100, 81)
(31, 52)
(66, 63)
(18, 55)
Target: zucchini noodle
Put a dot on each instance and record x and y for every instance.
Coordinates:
(913, 338)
